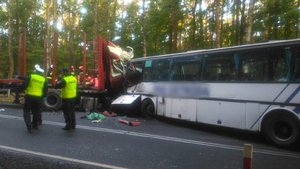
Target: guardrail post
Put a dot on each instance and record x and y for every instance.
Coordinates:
(248, 151)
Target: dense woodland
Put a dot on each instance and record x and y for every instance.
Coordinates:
(151, 27)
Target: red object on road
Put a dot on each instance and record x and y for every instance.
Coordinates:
(131, 123)
(108, 114)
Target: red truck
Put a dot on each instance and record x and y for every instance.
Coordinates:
(96, 89)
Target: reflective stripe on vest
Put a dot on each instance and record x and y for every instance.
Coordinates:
(69, 91)
(35, 86)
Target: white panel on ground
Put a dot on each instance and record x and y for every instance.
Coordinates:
(125, 99)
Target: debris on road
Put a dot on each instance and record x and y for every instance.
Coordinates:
(112, 114)
(94, 116)
(96, 121)
(131, 123)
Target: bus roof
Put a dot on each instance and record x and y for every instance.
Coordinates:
(224, 49)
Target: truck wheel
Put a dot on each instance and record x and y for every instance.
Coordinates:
(147, 108)
(53, 101)
(281, 130)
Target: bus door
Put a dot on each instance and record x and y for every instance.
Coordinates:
(134, 73)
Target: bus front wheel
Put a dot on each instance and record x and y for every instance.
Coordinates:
(147, 108)
(281, 130)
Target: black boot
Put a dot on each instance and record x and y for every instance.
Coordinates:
(28, 127)
(34, 127)
(67, 127)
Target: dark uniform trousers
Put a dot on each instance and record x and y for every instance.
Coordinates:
(32, 104)
(69, 112)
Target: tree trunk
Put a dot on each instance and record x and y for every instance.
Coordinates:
(1, 46)
(71, 48)
(175, 25)
(218, 25)
(194, 25)
(122, 23)
(26, 20)
(222, 19)
(212, 11)
(233, 25)
(34, 22)
(78, 16)
(170, 38)
(48, 33)
(54, 25)
(242, 31)
(201, 26)
(250, 22)
(113, 20)
(144, 30)
(65, 33)
(95, 31)
(106, 6)
(18, 38)
(55, 14)
(277, 12)
(237, 22)
(11, 61)
(297, 29)
(71, 38)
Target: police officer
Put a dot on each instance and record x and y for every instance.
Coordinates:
(68, 86)
(35, 87)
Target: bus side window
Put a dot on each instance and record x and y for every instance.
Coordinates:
(295, 68)
(218, 67)
(156, 70)
(266, 65)
(185, 71)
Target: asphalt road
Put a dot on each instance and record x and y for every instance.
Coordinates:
(156, 143)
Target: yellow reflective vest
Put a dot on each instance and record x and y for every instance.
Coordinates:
(69, 91)
(35, 86)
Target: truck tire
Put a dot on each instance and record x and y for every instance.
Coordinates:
(281, 130)
(53, 101)
(147, 108)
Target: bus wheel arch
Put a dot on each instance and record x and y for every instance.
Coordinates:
(147, 108)
(281, 128)
(53, 101)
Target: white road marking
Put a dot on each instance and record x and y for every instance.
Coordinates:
(60, 157)
(166, 138)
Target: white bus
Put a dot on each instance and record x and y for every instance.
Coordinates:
(252, 87)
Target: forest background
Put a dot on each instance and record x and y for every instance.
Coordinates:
(150, 27)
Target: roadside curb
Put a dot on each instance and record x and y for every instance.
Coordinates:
(11, 105)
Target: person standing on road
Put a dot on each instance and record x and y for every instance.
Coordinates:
(35, 86)
(68, 86)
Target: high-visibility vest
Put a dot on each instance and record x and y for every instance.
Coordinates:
(69, 91)
(35, 86)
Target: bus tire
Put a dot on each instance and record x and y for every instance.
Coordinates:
(147, 108)
(281, 130)
(53, 101)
